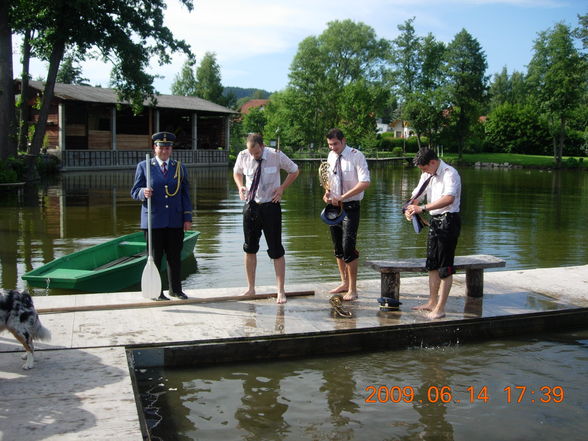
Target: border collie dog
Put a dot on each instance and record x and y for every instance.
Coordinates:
(18, 315)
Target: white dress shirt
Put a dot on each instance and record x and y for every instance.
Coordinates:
(273, 161)
(446, 181)
(354, 168)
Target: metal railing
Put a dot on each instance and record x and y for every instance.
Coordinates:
(113, 159)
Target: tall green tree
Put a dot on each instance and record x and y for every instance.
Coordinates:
(467, 84)
(557, 76)
(70, 72)
(185, 83)
(124, 32)
(507, 89)
(208, 80)
(345, 53)
(419, 81)
(254, 121)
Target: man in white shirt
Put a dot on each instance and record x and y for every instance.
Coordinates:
(262, 211)
(443, 195)
(349, 177)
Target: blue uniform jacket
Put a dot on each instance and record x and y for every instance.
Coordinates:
(168, 210)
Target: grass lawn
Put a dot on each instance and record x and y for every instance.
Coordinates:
(517, 159)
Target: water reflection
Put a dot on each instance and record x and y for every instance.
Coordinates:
(450, 393)
(528, 217)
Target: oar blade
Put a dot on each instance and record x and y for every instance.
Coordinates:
(150, 280)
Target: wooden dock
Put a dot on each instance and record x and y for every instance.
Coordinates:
(81, 389)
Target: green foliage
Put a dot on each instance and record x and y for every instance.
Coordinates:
(507, 88)
(322, 90)
(71, 73)
(513, 128)
(409, 145)
(466, 66)
(557, 75)
(255, 121)
(184, 83)
(208, 80)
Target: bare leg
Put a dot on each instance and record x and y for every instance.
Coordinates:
(280, 268)
(250, 267)
(434, 283)
(439, 310)
(344, 286)
(352, 278)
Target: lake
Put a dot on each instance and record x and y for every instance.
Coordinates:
(531, 218)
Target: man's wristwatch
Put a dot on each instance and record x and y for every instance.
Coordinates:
(424, 207)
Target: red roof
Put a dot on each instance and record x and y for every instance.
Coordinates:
(252, 104)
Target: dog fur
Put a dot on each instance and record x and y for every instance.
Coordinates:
(18, 315)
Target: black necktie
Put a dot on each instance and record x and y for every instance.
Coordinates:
(339, 172)
(255, 183)
(164, 168)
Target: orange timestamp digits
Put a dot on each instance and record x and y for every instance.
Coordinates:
(445, 394)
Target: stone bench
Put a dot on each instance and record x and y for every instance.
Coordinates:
(473, 265)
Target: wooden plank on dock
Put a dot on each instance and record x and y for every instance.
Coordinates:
(155, 304)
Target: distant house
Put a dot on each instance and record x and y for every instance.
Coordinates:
(401, 129)
(252, 104)
(88, 128)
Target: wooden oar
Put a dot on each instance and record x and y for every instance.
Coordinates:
(150, 280)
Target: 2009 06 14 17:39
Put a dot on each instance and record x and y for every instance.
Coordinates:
(445, 394)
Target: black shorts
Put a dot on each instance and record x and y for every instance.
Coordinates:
(265, 217)
(344, 235)
(444, 231)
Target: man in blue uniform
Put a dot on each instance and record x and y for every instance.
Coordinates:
(171, 207)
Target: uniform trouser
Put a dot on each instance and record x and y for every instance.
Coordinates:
(266, 218)
(444, 231)
(169, 241)
(344, 235)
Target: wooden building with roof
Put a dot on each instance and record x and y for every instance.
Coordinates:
(88, 128)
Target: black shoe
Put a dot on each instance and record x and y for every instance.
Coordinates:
(179, 295)
(161, 298)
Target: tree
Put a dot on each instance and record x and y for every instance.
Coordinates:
(208, 80)
(346, 52)
(7, 109)
(465, 68)
(557, 76)
(254, 121)
(419, 80)
(69, 73)
(117, 30)
(506, 88)
(516, 128)
(184, 83)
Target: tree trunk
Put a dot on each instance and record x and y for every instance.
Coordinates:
(54, 60)
(7, 108)
(562, 139)
(24, 93)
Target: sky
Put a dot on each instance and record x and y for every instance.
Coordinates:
(255, 41)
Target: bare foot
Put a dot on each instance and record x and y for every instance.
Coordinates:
(433, 315)
(249, 292)
(350, 296)
(281, 298)
(425, 307)
(341, 288)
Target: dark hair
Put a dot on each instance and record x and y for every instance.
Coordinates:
(424, 156)
(255, 138)
(335, 133)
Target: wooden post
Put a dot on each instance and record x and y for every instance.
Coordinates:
(390, 285)
(475, 282)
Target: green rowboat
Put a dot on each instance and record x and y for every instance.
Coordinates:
(107, 267)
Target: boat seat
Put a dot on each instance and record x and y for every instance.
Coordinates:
(68, 273)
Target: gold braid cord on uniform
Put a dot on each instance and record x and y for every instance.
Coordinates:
(177, 176)
(323, 172)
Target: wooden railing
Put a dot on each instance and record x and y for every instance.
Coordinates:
(113, 159)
